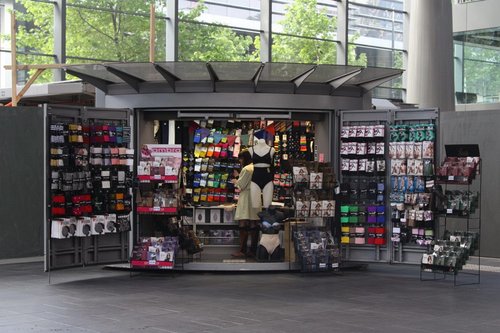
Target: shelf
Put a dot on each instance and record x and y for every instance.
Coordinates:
(454, 180)
(457, 215)
(165, 179)
(152, 264)
(436, 268)
(156, 210)
(219, 224)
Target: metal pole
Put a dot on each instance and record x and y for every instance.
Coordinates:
(13, 56)
(59, 38)
(152, 35)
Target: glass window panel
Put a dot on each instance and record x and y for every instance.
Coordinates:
(325, 73)
(236, 14)
(187, 70)
(109, 34)
(98, 71)
(482, 78)
(376, 26)
(235, 70)
(309, 18)
(24, 75)
(377, 57)
(477, 66)
(35, 21)
(387, 93)
(390, 4)
(303, 50)
(283, 72)
(144, 71)
(202, 42)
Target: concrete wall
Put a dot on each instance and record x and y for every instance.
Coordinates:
(21, 182)
(481, 128)
(475, 15)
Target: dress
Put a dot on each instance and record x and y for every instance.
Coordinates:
(244, 208)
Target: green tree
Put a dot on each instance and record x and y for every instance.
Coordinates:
(482, 72)
(312, 26)
(118, 30)
(205, 42)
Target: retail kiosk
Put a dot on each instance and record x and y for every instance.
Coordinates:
(312, 100)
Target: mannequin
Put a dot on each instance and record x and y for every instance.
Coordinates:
(270, 245)
(246, 214)
(262, 178)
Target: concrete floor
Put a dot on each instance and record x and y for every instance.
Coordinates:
(383, 298)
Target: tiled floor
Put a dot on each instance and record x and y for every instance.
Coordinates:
(383, 298)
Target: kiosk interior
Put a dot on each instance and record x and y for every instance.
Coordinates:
(204, 114)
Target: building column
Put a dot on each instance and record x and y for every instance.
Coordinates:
(172, 31)
(266, 30)
(430, 55)
(342, 32)
(59, 38)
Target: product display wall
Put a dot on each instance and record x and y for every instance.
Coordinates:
(387, 182)
(89, 186)
(211, 166)
(206, 227)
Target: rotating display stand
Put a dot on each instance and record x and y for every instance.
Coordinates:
(459, 206)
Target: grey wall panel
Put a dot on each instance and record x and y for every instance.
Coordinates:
(480, 128)
(235, 100)
(21, 182)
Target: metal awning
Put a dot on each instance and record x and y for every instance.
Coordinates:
(288, 78)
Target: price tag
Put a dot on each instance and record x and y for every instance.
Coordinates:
(335, 265)
(322, 265)
(156, 209)
(449, 211)
(152, 262)
(157, 177)
(451, 177)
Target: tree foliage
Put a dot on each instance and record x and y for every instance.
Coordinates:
(317, 34)
(482, 72)
(205, 42)
(118, 30)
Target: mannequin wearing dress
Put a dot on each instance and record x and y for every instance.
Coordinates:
(246, 214)
(262, 178)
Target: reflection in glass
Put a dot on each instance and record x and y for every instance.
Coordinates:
(477, 66)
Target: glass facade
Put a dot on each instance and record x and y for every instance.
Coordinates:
(477, 66)
(301, 31)
(375, 29)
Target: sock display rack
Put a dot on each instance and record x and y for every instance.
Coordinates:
(89, 181)
(457, 250)
(363, 162)
(209, 168)
(412, 153)
(386, 182)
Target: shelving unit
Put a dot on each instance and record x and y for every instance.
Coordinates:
(460, 210)
(88, 189)
(315, 236)
(364, 181)
(157, 207)
(411, 196)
